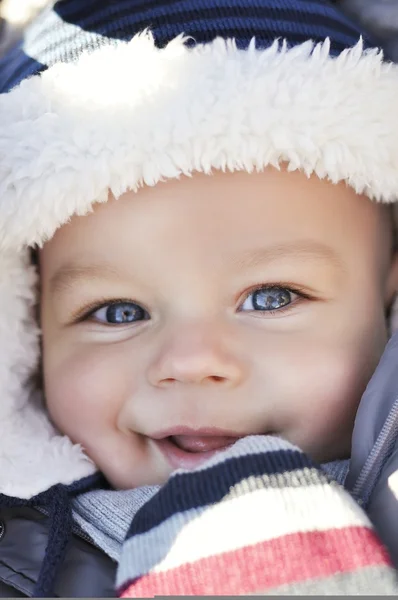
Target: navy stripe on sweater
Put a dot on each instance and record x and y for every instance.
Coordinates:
(213, 483)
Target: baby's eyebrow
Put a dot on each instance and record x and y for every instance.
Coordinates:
(300, 249)
(71, 273)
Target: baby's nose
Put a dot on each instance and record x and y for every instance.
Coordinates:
(197, 370)
(199, 359)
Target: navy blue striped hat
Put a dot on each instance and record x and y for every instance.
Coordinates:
(71, 26)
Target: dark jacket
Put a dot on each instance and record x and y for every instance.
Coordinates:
(85, 572)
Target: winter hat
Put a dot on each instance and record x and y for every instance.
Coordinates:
(111, 96)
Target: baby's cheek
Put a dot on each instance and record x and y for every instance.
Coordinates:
(333, 383)
(84, 392)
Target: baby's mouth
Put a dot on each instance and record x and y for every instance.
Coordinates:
(201, 443)
(188, 450)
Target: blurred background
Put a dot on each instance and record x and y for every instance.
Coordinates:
(14, 15)
(378, 17)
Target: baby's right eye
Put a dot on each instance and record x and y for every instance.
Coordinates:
(119, 313)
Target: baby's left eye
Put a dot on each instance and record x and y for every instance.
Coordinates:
(268, 298)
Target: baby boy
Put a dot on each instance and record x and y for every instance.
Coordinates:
(181, 318)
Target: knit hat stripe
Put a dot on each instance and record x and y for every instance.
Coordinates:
(74, 7)
(16, 67)
(255, 13)
(203, 28)
(64, 32)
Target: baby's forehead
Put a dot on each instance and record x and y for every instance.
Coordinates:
(278, 191)
(219, 221)
(273, 193)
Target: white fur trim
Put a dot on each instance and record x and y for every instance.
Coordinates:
(133, 115)
(33, 456)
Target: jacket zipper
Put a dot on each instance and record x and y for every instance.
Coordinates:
(378, 456)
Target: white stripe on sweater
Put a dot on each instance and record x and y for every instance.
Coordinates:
(199, 533)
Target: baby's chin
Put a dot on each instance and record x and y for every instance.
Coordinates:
(131, 480)
(322, 455)
(319, 451)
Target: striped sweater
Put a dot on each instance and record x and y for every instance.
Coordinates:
(260, 518)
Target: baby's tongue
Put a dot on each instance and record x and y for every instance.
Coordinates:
(202, 443)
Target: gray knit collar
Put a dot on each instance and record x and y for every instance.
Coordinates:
(106, 515)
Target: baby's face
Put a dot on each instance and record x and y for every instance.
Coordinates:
(197, 311)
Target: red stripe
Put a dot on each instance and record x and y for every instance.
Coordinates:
(292, 558)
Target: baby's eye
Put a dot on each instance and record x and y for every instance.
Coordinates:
(268, 298)
(119, 313)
